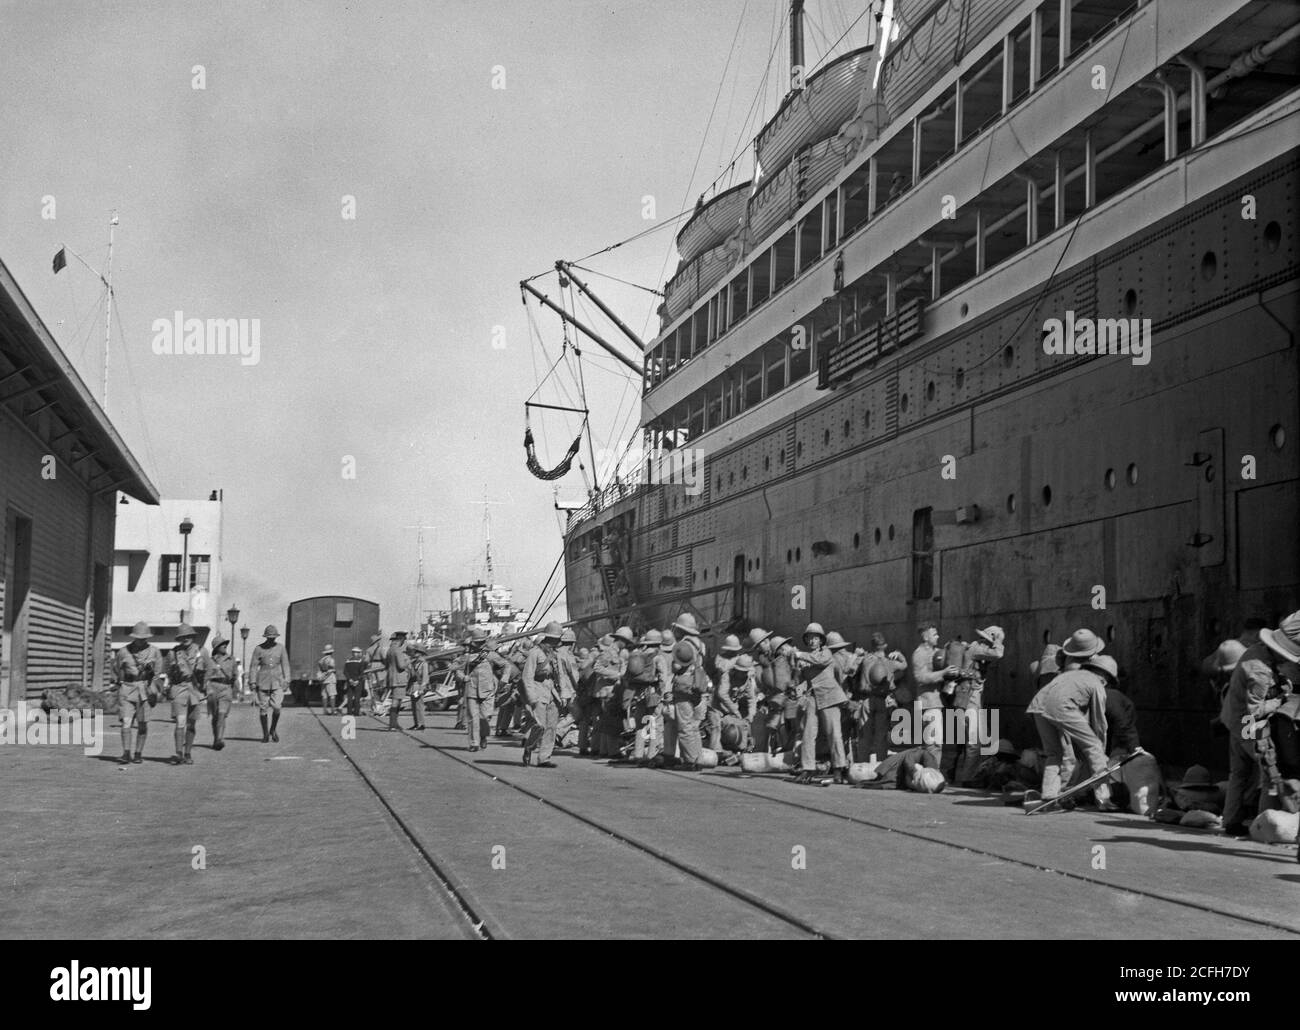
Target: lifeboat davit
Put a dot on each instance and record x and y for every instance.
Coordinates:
(829, 99)
(713, 222)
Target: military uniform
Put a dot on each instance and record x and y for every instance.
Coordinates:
(541, 688)
(681, 727)
(328, 680)
(135, 667)
(417, 685)
(478, 672)
(219, 679)
(610, 670)
(969, 696)
(269, 671)
(824, 696)
(397, 670)
(354, 675)
(924, 685)
(185, 667)
(374, 669)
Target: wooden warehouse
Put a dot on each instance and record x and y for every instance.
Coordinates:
(61, 465)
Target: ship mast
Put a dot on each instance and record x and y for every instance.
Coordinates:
(796, 43)
(419, 528)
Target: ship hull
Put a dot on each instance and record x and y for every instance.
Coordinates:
(1158, 504)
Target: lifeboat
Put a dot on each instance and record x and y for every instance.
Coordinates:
(695, 279)
(712, 223)
(932, 34)
(780, 194)
(829, 99)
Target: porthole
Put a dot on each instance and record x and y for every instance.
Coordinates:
(767, 462)
(798, 449)
(1047, 497)
(1130, 302)
(1008, 355)
(856, 541)
(1277, 437)
(719, 482)
(961, 378)
(866, 419)
(749, 565)
(826, 436)
(716, 572)
(798, 555)
(929, 390)
(902, 402)
(1272, 236)
(1209, 266)
(1110, 479)
(877, 534)
(744, 472)
(965, 309)
(780, 458)
(1011, 504)
(1133, 474)
(1110, 634)
(757, 563)
(706, 575)
(1047, 637)
(789, 557)
(846, 429)
(731, 479)
(891, 531)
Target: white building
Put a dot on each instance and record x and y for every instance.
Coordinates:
(150, 551)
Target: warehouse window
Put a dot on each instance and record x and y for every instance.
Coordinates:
(169, 573)
(201, 571)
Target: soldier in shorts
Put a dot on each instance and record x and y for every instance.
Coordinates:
(219, 678)
(269, 670)
(185, 667)
(135, 667)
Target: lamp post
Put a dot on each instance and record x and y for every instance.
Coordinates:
(186, 527)
(232, 617)
(243, 635)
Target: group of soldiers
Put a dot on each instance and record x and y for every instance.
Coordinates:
(193, 680)
(660, 699)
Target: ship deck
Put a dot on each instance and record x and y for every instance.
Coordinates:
(408, 835)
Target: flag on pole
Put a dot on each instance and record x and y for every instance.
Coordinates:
(60, 260)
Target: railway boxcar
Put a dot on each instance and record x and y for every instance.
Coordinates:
(313, 622)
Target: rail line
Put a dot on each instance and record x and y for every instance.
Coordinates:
(716, 782)
(737, 893)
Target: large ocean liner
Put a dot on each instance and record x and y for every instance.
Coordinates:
(879, 351)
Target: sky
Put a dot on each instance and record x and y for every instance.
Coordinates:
(395, 355)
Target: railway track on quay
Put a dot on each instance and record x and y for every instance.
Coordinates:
(813, 868)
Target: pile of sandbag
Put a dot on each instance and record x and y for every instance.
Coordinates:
(759, 762)
(1275, 827)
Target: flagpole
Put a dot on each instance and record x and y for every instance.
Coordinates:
(108, 308)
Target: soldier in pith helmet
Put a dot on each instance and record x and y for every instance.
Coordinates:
(135, 668)
(185, 668)
(328, 675)
(219, 678)
(269, 670)
(541, 688)
(479, 672)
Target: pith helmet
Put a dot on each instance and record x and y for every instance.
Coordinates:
(744, 664)
(625, 634)
(731, 643)
(568, 637)
(1104, 664)
(991, 635)
(376, 637)
(687, 624)
(1285, 640)
(553, 631)
(1083, 643)
(141, 631)
(757, 636)
(478, 635)
(835, 641)
(927, 781)
(270, 632)
(327, 649)
(778, 641)
(684, 653)
(183, 631)
(814, 629)
(652, 638)
(1228, 655)
(218, 641)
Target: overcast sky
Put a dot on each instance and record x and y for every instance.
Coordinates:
(376, 331)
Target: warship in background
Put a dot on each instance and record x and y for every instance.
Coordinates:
(868, 352)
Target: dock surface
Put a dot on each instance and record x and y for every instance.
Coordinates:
(409, 835)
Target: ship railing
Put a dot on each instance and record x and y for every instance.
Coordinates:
(619, 490)
(874, 342)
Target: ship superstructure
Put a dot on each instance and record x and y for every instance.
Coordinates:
(877, 397)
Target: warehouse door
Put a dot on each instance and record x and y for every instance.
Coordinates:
(17, 609)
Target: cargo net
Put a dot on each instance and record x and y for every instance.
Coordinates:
(535, 467)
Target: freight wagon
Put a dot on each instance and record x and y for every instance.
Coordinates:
(313, 622)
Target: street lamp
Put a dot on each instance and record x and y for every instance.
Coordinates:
(186, 527)
(232, 616)
(243, 635)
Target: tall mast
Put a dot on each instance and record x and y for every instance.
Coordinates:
(108, 308)
(796, 40)
(419, 528)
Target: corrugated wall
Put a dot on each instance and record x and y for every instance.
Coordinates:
(59, 508)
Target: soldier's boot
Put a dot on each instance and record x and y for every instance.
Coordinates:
(189, 744)
(140, 735)
(841, 776)
(266, 733)
(275, 721)
(179, 757)
(126, 744)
